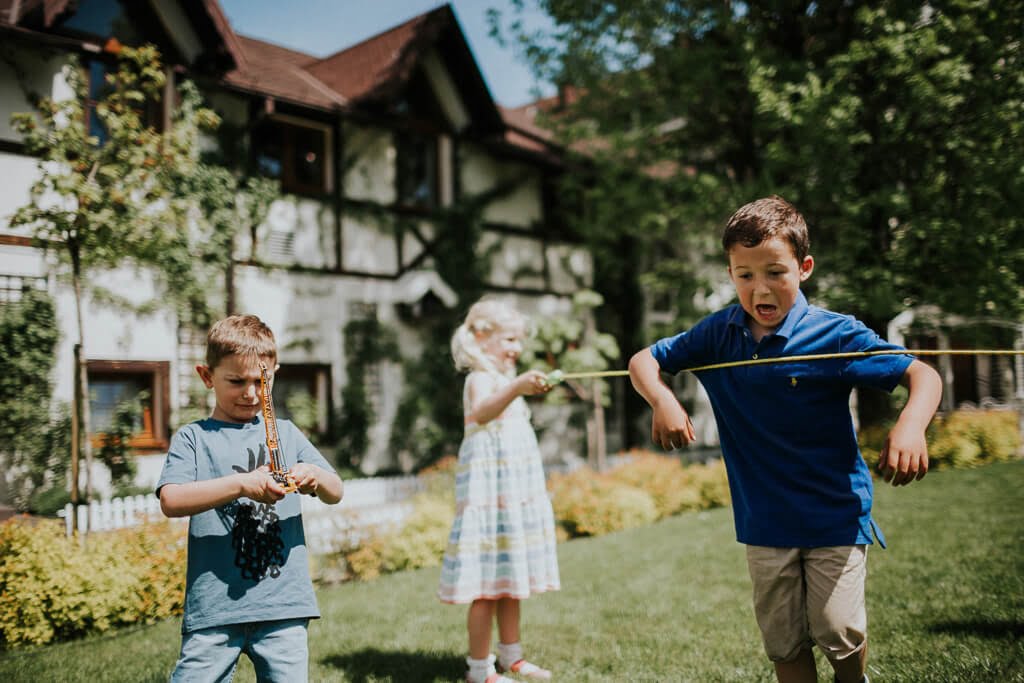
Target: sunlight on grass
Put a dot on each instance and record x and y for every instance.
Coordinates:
(668, 602)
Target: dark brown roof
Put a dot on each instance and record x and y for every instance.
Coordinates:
(278, 72)
(382, 62)
(371, 71)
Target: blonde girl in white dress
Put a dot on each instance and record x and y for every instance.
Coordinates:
(502, 544)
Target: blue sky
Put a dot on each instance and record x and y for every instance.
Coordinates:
(322, 27)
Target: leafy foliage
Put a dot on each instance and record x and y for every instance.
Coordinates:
(114, 451)
(53, 588)
(367, 342)
(896, 128)
(963, 438)
(104, 204)
(33, 432)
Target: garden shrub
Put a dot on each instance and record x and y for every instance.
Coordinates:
(669, 484)
(968, 438)
(712, 482)
(962, 438)
(158, 552)
(420, 542)
(591, 504)
(55, 588)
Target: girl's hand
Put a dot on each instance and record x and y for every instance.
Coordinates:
(532, 382)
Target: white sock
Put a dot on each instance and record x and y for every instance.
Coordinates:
(509, 654)
(480, 669)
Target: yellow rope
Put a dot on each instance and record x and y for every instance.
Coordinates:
(556, 377)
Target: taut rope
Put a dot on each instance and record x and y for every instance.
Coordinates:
(558, 376)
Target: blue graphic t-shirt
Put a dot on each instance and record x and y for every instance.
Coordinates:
(247, 561)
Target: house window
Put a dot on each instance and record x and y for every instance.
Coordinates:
(301, 394)
(295, 154)
(113, 382)
(102, 19)
(416, 173)
(14, 287)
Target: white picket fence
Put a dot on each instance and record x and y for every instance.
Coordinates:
(368, 504)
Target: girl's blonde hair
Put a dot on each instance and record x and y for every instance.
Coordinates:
(484, 318)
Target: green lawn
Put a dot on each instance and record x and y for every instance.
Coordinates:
(668, 602)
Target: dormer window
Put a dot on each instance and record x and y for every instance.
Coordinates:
(416, 172)
(294, 152)
(102, 19)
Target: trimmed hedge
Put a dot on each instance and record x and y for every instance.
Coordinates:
(962, 438)
(646, 488)
(55, 588)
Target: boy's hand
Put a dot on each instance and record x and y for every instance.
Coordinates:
(904, 455)
(671, 427)
(258, 485)
(307, 477)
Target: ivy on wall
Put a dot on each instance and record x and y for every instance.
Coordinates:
(367, 343)
(34, 440)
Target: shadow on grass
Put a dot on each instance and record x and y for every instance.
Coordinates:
(373, 664)
(981, 629)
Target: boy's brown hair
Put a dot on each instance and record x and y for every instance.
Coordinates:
(765, 219)
(240, 334)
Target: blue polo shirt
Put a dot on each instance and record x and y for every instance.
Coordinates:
(795, 471)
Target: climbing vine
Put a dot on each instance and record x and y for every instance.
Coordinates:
(367, 342)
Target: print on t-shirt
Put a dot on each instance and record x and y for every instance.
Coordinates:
(256, 534)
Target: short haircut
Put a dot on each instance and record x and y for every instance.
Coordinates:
(244, 335)
(765, 219)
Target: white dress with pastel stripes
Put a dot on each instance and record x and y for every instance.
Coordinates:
(502, 543)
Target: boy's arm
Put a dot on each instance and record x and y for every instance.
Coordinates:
(904, 456)
(182, 500)
(670, 426)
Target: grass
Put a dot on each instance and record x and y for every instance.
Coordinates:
(669, 602)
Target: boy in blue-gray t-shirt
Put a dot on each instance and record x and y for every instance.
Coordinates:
(248, 587)
(801, 492)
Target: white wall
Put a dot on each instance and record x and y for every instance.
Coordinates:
(35, 72)
(480, 172)
(368, 170)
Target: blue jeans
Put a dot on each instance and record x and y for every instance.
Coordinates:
(278, 650)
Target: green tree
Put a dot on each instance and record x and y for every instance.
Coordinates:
(104, 203)
(896, 127)
(573, 344)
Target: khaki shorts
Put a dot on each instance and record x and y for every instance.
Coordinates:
(805, 596)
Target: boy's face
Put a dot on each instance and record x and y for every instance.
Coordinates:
(767, 279)
(236, 386)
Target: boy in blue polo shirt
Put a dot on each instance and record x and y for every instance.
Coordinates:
(801, 491)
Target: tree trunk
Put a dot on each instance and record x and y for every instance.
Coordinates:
(600, 461)
(82, 395)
